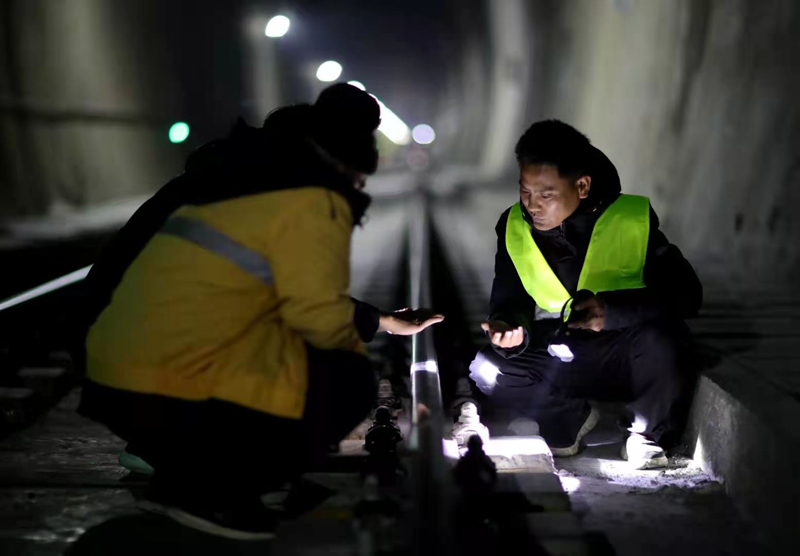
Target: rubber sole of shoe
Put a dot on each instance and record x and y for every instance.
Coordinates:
(588, 425)
(212, 528)
(135, 464)
(151, 507)
(275, 500)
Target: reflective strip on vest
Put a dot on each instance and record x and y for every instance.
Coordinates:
(614, 260)
(203, 235)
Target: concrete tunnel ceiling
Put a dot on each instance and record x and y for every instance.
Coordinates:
(694, 101)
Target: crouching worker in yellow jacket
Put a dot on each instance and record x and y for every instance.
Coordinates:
(229, 351)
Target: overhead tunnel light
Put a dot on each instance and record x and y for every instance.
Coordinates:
(329, 71)
(423, 134)
(357, 85)
(277, 27)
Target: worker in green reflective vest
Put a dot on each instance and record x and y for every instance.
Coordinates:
(574, 231)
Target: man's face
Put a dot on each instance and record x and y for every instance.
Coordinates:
(548, 197)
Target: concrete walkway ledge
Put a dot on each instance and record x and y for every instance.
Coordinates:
(746, 432)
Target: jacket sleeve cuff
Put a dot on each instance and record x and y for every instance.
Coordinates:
(613, 319)
(366, 319)
(510, 353)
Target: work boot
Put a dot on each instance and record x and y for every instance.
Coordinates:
(251, 522)
(572, 448)
(242, 519)
(463, 394)
(643, 453)
(469, 424)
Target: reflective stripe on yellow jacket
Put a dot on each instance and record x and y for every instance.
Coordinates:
(187, 323)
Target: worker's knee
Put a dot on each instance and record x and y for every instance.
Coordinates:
(496, 375)
(658, 356)
(657, 339)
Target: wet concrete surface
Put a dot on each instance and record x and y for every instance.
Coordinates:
(677, 510)
(58, 478)
(59, 481)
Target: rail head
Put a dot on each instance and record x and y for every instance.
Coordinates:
(432, 516)
(46, 288)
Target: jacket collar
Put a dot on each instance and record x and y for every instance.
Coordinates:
(250, 161)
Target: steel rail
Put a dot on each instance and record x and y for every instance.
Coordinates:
(46, 288)
(431, 477)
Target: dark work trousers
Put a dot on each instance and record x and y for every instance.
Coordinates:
(224, 452)
(639, 365)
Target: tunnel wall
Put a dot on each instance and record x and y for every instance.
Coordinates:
(695, 101)
(89, 89)
(76, 106)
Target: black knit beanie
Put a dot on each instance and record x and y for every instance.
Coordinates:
(344, 123)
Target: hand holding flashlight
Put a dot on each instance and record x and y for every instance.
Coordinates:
(589, 314)
(587, 311)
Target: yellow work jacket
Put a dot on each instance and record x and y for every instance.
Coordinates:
(189, 323)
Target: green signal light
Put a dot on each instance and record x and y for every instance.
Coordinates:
(179, 132)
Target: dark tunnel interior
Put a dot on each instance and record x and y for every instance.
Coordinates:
(695, 102)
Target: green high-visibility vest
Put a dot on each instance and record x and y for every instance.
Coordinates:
(614, 261)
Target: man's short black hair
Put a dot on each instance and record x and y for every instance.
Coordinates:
(558, 144)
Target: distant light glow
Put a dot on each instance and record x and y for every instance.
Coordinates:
(179, 132)
(47, 287)
(561, 351)
(277, 27)
(329, 71)
(392, 126)
(417, 160)
(423, 134)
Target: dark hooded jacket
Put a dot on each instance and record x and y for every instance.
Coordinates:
(673, 290)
